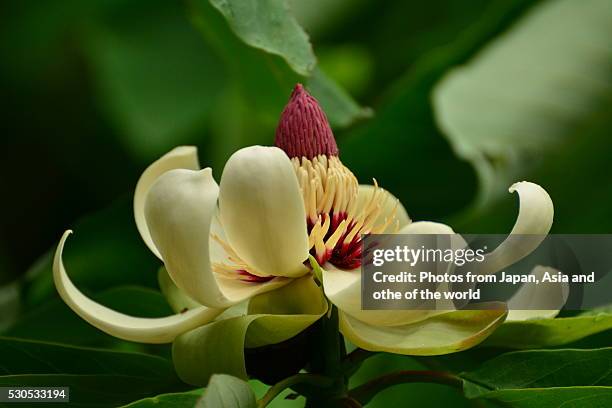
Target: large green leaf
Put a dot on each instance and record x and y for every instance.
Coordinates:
(573, 397)
(97, 390)
(35, 357)
(548, 332)
(156, 79)
(529, 92)
(270, 26)
(272, 318)
(106, 251)
(545, 378)
(264, 78)
(96, 377)
(225, 391)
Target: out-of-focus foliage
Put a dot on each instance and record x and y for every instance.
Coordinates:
(96, 90)
(533, 93)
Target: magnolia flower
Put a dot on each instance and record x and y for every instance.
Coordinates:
(251, 236)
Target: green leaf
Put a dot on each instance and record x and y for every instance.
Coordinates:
(529, 92)
(97, 390)
(106, 251)
(273, 317)
(156, 79)
(171, 400)
(225, 391)
(265, 76)
(574, 397)
(270, 26)
(548, 332)
(35, 357)
(545, 378)
(96, 377)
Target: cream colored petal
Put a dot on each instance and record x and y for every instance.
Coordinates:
(390, 204)
(343, 289)
(456, 242)
(426, 227)
(538, 301)
(533, 223)
(182, 157)
(144, 330)
(442, 334)
(262, 211)
(179, 209)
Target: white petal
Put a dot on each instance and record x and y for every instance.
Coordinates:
(530, 229)
(182, 157)
(390, 203)
(456, 242)
(538, 301)
(179, 210)
(426, 227)
(262, 211)
(343, 289)
(145, 330)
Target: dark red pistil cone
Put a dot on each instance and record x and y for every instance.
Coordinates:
(303, 129)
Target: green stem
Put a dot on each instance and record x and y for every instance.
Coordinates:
(310, 379)
(364, 393)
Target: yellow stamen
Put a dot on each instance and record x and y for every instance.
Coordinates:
(331, 190)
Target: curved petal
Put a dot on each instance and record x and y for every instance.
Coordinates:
(343, 288)
(262, 211)
(390, 203)
(426, 227)
(182, 157)
(145, 330)
(179, 210)
(273, 318)
(442, 334)
(538, 301)
(533, 223)
(456, 242)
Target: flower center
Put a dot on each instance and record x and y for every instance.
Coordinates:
(337, 215)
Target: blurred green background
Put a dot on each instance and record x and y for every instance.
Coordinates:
(445, 103)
